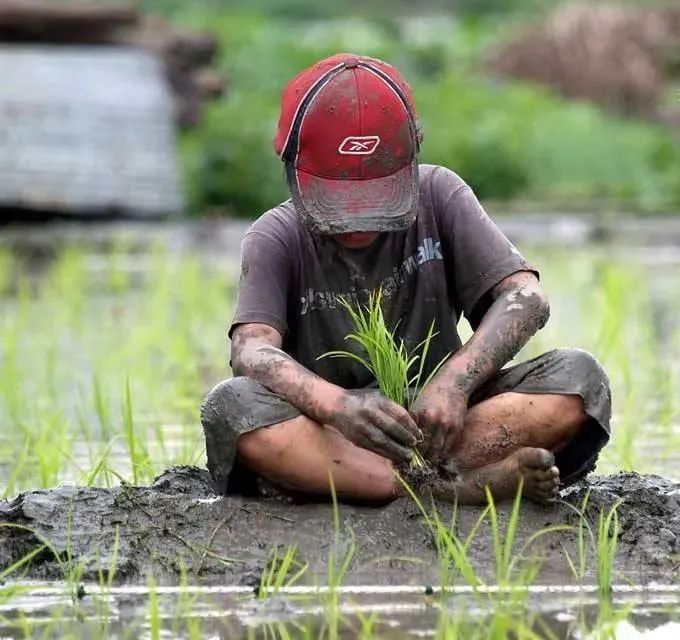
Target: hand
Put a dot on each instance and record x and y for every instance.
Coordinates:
(374, 422)
(440, 413)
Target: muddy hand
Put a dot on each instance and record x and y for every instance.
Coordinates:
(440, 413)
(374, 422)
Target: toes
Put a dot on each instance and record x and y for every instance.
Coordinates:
(534, 458)
(548, 487)
(541, 484)
(543, 493)
(545, 459)
(543, 475)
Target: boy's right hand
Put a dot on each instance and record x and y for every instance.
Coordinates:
(372, 421)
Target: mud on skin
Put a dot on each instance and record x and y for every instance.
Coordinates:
(175, 519)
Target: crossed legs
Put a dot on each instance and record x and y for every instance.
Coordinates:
(507, 438)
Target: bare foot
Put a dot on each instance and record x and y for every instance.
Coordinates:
(535, 467)
(541, 477)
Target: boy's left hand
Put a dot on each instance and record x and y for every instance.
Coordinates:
(440, 414)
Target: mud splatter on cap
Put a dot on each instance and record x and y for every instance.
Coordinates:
(349, 135)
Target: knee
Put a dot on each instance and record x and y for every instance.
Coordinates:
(217, 403)
(582, 363)
(582, 366)
(583, 373)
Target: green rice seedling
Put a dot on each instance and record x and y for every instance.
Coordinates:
(16, 471)
(582, 529)
(71, 572)
(610, 624)
(451, 550)
(369, 623)
(100, 465)
(608, 530)
(603, 542)
(506, 555)
(448, 625)
(139, 457)
(183, 619)
(101, 409)
(387, 358)
(21, 563)
(281, 571)
(514, 571)
(339, 559)
(154, 609)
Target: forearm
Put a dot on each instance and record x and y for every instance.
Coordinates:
(515, 315)
(276, 370)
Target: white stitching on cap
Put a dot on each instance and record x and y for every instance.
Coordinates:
(401, 98)
(297, 111)
(328, 78)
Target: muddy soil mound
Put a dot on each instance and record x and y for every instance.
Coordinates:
(178, 522)
(624, 58)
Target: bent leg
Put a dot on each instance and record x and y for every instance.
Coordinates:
(299, 454)
(505, 423)
(507, 439)
(556, 406)
(508, 435)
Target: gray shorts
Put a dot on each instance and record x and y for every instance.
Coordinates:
(239, 405)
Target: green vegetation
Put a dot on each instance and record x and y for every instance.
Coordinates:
(109, 389)
(282, 571)
(500, 606)
(388, 361)
(101, 373)
(509, 141)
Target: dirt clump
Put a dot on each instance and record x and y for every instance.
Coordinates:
(623, 58)
(178, 522)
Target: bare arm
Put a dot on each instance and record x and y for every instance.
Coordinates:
(519, 309)
(367, 419)
(256, 353)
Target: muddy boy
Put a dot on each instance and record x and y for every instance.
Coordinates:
(363, 216)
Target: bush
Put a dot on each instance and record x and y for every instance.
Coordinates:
(507, 140)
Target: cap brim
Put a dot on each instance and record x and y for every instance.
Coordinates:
(332, 206)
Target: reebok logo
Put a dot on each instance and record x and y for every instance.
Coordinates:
(359, 145)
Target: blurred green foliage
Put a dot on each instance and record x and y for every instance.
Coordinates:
(507, 140)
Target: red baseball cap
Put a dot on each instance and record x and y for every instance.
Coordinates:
(349, 135)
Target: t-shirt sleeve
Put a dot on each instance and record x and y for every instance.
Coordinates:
(478, 255)
(264, 282)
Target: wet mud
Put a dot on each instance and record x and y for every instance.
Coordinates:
(178, 523)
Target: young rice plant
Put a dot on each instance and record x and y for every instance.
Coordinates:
(386, 357)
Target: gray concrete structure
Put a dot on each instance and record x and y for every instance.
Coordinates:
(87, 131)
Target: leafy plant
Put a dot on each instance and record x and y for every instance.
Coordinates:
(282, 571)
(607, 541)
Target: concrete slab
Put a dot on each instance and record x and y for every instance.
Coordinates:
(86, 131)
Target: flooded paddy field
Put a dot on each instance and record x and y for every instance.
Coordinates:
(109, 337)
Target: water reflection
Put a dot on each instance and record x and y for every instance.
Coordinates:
(390, 612)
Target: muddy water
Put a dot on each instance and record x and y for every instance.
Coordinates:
(233, 612)
(226, 612)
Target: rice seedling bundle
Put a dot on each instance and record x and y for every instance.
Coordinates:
(387, 357)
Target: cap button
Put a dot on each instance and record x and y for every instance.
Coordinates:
(351, 63)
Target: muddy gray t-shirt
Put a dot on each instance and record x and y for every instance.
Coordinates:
(442, 266)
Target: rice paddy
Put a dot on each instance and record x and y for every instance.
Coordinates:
(106, 350)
